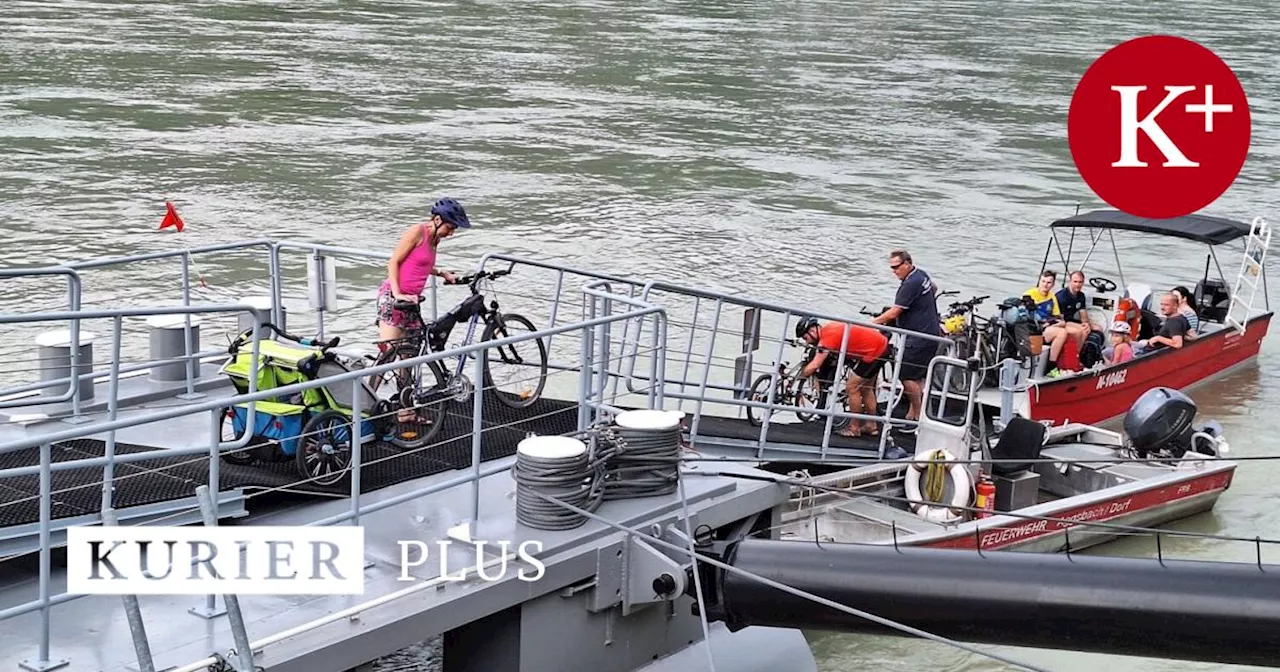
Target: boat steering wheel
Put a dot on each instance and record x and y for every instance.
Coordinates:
(1102, 284)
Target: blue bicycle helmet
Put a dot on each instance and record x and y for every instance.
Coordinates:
(804, 325)
(451, 211)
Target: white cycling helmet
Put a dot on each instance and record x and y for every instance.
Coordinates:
(1120, 328)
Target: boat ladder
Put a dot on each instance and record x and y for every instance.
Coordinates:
(1255, 253)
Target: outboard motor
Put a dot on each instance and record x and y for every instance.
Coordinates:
(1160, 422)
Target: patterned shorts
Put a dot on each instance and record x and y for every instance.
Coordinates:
(390, 315)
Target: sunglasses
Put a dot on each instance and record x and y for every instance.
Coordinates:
(894, 267)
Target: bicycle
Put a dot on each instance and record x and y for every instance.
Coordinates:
(414, 395)
(969, 332)
(788, 390)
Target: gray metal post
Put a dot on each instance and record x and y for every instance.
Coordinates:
(42, 662)
(238, 632)
(75, 361)
(1008, 380)
(113, 403)
(587, 363)
(187, 336)
(688, 351)
(137, 627)
(555, 306)
(319, 280)
(706, 372)
(210, 609)
(605, 354)
(477, 426)
(356, 442)
(584, 375)
(275, 285)
(773, 384)
(653, 360)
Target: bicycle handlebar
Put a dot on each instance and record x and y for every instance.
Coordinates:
(472, 279)
(469, 280)
(301, 340)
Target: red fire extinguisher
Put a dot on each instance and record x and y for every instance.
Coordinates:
(986, 497)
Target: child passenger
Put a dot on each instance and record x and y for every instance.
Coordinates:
(1121, 347)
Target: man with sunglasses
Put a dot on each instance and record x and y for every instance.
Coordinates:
(915, 308)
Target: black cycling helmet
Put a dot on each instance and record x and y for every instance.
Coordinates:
(451, 212)
(804, 325)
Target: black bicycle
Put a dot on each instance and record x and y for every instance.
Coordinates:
(420, 405)
(788, 390)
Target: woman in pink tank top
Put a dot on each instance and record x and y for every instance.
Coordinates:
(412, 263)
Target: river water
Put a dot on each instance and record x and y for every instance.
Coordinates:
(778, 149)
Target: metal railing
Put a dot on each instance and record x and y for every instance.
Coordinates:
(733, 389)
(591, 329)
(276, 283)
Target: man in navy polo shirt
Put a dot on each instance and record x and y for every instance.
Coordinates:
(1074, 310)
(915, 308)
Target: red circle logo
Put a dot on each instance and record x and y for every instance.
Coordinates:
(1159, 127)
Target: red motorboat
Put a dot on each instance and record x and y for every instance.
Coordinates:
(1229, 336)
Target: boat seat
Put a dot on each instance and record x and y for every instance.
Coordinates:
(1022, 439)
(1212, 300)
(1140, 293)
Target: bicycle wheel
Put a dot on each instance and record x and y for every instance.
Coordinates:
(417, 411)
(760, 392)
(807, 398)
(820, 403)
(527, 383)
(324, 453)
(959, 376)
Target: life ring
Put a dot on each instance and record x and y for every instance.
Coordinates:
(961, 484)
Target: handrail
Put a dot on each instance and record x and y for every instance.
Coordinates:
(75, 289)
(317, 248)
(773, 307)
(830, 412)
(284, 390)
(552, 267)
(185, 254)
(95, 375)
(168, 254)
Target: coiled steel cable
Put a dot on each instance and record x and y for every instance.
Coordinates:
(613, 463)
(576, 478)
(646, 463)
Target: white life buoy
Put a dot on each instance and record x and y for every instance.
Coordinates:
(961, 488)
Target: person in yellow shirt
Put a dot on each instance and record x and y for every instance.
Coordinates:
(1049, 315)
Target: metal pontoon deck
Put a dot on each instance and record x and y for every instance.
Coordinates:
(614, 587)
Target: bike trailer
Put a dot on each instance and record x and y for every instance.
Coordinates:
(279, 364)
(276, 422)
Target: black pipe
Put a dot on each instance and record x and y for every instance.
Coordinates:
(1204, 611)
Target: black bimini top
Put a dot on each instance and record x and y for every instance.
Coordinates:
(1200, 228)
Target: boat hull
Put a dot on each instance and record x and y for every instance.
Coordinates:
(1155, 504)
(1099, 396)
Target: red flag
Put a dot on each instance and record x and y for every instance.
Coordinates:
(171, 217)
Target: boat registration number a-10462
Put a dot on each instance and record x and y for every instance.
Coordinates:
(1111, 379)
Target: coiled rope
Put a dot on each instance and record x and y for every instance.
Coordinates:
(644, 465)
(558, 466)
(636, 457)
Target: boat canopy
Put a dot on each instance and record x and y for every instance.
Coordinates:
(1200, 228)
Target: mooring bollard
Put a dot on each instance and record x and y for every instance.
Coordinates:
(169, 345)
(262, 306)
(54, 353)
